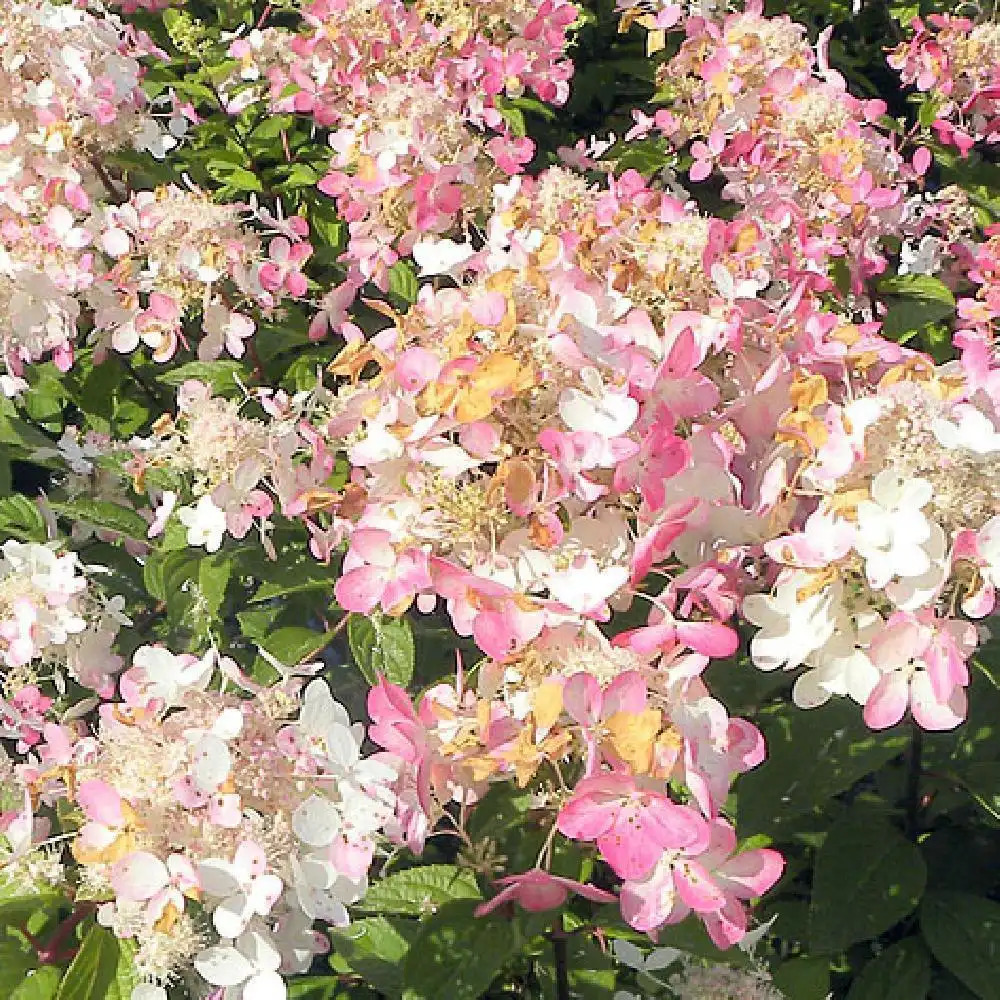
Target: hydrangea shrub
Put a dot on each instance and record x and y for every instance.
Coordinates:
(500, 500)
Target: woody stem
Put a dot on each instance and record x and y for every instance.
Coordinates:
(560, 954)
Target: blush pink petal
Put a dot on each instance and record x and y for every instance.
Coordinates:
(360, 589)
(887, 702)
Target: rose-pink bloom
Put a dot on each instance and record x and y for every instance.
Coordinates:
(632, 826)
(537, 890)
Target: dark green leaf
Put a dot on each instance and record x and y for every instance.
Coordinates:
(811, 756)
(804, 979)
(902, 972)
(293, 578)
(220, 375)
(457, 955)
(590, 970)
(293, 644)
(214, 573)
(403, 282)
(867, 878)
(963, 932)
(20, 518)
(40, 985)
(919, 300)
(315, 988)
(376, 948)
(16, 961)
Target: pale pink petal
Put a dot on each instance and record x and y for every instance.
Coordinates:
(887, 702)
(932, 714)
(138, 877)
(360, 589)
(696, 888)
(100, 802)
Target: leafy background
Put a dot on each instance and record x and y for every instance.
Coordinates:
(892, 885)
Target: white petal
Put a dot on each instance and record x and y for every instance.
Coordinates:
(229, 724)
(223, 966)
(317, 821)
(231, 916)
(609, 415)
(211, 762)
(146, 991)
(265, 986)
(260, 949)
(319, 709)
(809, 690)
(139, 876)
(218, 878)
(341, 747)
(265, 892)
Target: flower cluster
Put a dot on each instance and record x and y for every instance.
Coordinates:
(956, 62)
(603, 736)
(134, 272)
(749, 97)
(215, 829)
(409, 94)
(54, 624)
(172, 252)
(79, 253)
(71, 94)
(71, 86)
(895, 540)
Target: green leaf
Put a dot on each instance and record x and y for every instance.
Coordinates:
(804, 979)
(315, 988)
(963, 932)
(902, 972)
(382, 646)
(921, 300)
(126, 976)
(220, 375)
(16, 961)
(235, 177)
(646, 155)
(982, 778)
(20, 518)
(15, 910)
(293, 578)
(418, 891)
(403, 282)
(457, 955)
(94, 969)
(811, 757)
(102, 514)
(17, 432)
(375, 948)
(214, 573)
(867, 878)
(259, 623)
(40, 985)
(918, 286)
(293, 644)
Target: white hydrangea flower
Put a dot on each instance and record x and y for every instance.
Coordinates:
(893, 532)
(794, 622)
(205, 523)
